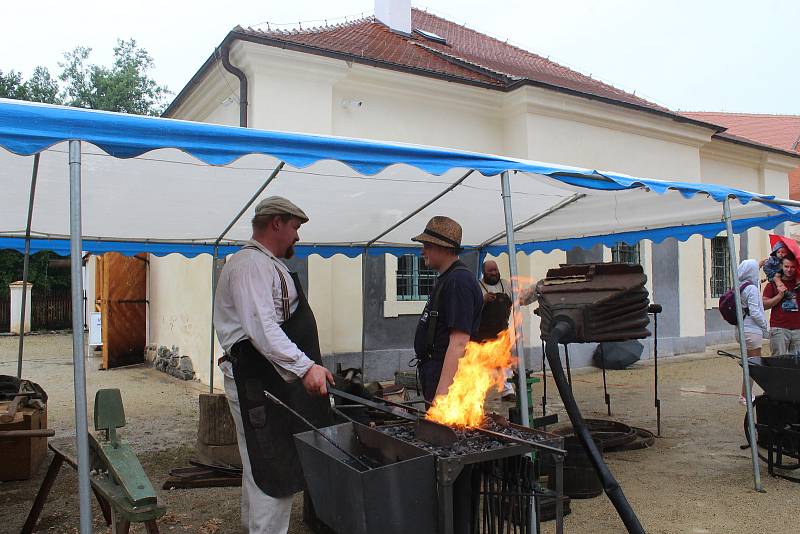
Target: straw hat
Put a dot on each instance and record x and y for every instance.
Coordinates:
(442, 231)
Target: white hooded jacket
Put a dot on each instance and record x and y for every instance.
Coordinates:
(755, 322)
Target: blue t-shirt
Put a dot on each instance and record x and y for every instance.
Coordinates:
(460, 304)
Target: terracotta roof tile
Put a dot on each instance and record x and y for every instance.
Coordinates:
(468, 54)
(778, 131)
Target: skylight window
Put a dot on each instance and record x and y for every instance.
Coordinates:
(431, 36)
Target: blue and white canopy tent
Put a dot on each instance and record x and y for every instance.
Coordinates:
(100, 182)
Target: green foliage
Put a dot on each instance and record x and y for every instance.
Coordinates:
(40, 274)
(125, 87)
(40, 87)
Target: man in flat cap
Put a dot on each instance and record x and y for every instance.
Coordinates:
(453, 311)
(267, 329)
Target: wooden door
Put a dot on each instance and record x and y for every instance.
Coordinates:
(121, 289)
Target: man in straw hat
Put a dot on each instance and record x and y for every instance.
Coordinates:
(453, 311)
(269, 334)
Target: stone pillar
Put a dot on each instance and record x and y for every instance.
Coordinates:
(16, 304)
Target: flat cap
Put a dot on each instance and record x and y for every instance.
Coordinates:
(279, 206)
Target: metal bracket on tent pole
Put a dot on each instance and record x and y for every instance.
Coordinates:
(419, 209)
(726, 209)
(215, 267)
(25, 264)
(538, 217)
(78, 354)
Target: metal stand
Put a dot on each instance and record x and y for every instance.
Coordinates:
(726, 207)
(544, 382)
(605, 386)
(655, 309)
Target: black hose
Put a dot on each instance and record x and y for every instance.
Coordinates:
(612, 488)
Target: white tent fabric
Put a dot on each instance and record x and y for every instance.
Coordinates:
(167, 196)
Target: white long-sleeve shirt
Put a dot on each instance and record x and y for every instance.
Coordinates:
(248, 305)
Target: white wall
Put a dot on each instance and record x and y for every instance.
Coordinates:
(180, 309)
(300, 92)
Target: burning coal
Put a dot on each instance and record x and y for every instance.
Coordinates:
(481, 368)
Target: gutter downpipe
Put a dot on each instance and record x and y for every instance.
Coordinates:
(223, 53)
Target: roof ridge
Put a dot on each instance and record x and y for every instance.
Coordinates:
(742, 113)
(313, 29)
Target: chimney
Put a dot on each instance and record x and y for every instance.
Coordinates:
(396, 14)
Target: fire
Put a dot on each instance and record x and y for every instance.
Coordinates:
(481, 368)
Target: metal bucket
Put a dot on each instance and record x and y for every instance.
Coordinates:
(778, 376)
(397, 497)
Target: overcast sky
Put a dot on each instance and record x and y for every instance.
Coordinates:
(720, 55)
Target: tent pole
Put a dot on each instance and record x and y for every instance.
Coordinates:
(214, 280)
(363, 313)
(538, 217)
(522, 392)
(25, 264)
(522, 378)
(78, 354)
(726, 207)
(215, 269)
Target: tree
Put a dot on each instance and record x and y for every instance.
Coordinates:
(125, 87)
(40, 87)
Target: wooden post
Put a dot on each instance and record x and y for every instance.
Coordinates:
(216, 432)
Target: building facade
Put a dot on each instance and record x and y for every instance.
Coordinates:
(428, 81)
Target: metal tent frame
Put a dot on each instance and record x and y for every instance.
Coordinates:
(75, 240)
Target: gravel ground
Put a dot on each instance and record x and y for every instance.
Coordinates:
(694, 480)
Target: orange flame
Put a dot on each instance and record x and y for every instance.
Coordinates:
(481, 368)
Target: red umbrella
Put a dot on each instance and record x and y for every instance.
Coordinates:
(790, 243)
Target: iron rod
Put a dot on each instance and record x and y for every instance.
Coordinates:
(544, 382)
(26, 263)
(319, 432)
(419, 209)
(726, 210)
(778, 201)
(655, 373)
(538, 217)
(606, 396)
(78, 354)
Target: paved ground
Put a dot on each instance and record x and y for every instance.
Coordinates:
(694, 480)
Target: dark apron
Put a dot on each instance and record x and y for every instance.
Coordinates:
(494, 318)
(269, 428)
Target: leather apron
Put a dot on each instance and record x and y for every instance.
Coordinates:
(268, 427)
(494, 316)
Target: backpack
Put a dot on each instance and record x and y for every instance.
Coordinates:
(727, 304)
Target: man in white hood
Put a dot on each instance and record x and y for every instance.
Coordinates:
(755, 323)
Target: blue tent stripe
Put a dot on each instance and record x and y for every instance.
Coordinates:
(190, 250)
(27, 128)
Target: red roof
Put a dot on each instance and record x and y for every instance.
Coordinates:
(468, 55)
(779, 131)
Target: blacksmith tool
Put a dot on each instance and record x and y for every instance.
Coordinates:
(427, 431)
(319, 432)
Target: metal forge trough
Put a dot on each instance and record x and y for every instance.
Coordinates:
(418, 486)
